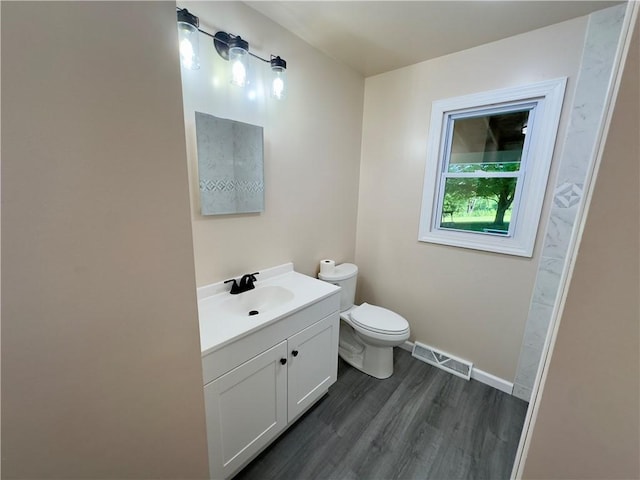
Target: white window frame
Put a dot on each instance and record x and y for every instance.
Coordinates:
(545, 101)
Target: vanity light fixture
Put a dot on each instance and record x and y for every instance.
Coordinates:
(188, 38)
(232, 48)
(238, 56)
(279, 77)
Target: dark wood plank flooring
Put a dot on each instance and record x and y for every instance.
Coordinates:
(420, 423)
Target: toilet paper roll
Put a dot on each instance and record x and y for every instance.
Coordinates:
(327, 266)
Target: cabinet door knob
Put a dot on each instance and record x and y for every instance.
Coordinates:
(294, 353)
(283, 361)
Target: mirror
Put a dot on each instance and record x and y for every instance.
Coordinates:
(230, 166)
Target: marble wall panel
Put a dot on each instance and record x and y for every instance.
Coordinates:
(587, 114)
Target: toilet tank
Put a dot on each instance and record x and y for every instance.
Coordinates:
(345, 276)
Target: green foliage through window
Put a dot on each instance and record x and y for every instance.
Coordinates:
(482, 171)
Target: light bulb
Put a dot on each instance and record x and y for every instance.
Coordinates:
(277, 88)
(238, 73)
(186, 53)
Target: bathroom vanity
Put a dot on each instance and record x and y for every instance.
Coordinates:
(262, 370)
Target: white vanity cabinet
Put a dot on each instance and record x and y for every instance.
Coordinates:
(258, 385)
(313, 364)
(246, 409)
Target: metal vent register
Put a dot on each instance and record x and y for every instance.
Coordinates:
(449, 363)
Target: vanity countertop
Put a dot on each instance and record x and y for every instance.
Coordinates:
(221, 325)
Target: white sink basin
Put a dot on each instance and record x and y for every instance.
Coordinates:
(279, 292)
(257, 301)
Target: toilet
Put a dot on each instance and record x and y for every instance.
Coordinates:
(367, 333)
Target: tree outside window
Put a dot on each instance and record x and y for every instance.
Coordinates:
(483, 146)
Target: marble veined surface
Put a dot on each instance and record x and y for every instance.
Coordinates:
(587, 114)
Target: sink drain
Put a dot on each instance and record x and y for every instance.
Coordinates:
(253, 312)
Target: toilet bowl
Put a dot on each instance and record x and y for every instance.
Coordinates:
(368, 333)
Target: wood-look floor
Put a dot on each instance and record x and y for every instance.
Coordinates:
(420, 423)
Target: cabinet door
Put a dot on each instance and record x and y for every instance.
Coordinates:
(313, 363)
(245, 409)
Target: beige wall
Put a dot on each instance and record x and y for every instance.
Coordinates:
(101, 373)
(588, 422)
(469, 303)
(312, 152)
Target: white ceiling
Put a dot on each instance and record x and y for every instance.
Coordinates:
(378, 36)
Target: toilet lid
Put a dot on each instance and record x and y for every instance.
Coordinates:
(378, 319)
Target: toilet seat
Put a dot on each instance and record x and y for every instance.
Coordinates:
(378, 320)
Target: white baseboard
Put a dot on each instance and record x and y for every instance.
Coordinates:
(477, 374)
(408, 346)
(491, 380)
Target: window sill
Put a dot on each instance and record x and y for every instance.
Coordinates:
(478, 241)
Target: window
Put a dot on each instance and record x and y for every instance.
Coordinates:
(487, 167)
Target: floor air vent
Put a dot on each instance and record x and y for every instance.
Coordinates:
(449, 363)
